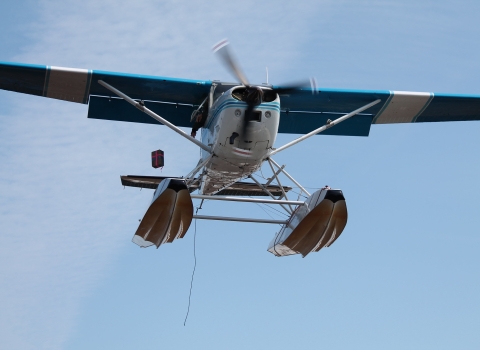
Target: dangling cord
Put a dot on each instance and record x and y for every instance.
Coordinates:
(194, 265)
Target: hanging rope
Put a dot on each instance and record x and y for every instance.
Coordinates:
(194, 266)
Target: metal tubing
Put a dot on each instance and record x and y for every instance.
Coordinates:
(325, 127)
(290, 177)
(246, 200)
(155, 116)
(191, 174)
(268, 192)
(210, 95)
(226, 218)
(273, 177)
(206, 98)
(279, 183)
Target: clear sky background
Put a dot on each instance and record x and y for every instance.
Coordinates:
(403, 275)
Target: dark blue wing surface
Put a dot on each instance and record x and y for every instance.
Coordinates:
(117, 109)
(152, 88)
(76, 85)
(174, 99)
(25, 78)
(303, 111)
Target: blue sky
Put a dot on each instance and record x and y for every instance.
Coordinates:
(404, 273)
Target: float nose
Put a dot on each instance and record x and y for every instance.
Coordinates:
(168, 217)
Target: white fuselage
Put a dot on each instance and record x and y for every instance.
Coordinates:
(234, 156)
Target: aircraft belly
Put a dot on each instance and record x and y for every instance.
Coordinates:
(222, 172)
(231, 164)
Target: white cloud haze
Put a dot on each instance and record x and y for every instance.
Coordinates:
(63, 217)
(401, 276)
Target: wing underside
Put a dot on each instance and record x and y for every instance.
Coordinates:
(302, 111)
(77, 85)
(175, 99)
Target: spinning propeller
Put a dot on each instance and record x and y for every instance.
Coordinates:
(253, 94)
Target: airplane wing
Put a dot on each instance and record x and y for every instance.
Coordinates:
(302, 111)
(175, 99)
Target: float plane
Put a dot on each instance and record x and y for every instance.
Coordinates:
(239, 123)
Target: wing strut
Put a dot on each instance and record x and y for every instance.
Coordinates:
(269, 193)
(155, 116)
(281, 169)
(325, 127)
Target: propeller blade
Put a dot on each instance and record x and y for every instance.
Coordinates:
(253, 96)
(288, 88)
(228, 59)
(248, 116)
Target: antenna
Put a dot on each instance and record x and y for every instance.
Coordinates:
(266, 68)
